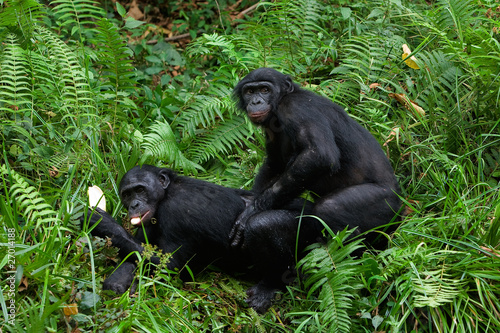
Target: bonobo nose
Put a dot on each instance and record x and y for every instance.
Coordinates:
(134, 204)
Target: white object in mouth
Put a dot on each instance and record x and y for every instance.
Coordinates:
(135, 220)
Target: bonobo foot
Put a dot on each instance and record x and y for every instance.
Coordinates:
(260, 297)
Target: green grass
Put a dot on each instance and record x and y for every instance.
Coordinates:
(85, 95)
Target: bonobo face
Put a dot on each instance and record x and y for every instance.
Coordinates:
(258, 99)
(141, 190)
(260, 92)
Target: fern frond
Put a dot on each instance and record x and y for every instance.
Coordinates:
(300, 18)
(162, 143)
(366, 60)
(22, 14)
(36, 211)
(440, 77)
(434, 289)
(78, 13)
(206, 44)
(114, 58)
(66, 72)
(15, 89)
(330, 269)
(442, 92)
(203, 110)
(221, 138)
(454, 15)
(292, 27)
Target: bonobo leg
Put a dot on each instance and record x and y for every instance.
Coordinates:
(270, 240)
(367, 206)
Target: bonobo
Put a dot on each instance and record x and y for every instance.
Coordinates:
(192, 219)
(312, 144)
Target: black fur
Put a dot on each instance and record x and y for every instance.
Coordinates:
(192, 219)
(312, 144)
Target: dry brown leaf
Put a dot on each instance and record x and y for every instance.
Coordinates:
(492, 251)
(135, 12)
(408, 104)
(393, 135)
(23, 284)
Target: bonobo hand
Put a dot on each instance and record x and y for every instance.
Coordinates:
(253, 206)
(236, 234)
(265, 200)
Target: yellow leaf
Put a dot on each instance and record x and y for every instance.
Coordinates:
(411, 61)
(70, 309)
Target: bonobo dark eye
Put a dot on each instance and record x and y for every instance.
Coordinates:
(264, 90)
(139, 190)
(249, 91)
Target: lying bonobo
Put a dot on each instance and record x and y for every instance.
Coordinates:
(192, 219)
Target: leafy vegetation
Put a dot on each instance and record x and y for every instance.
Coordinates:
(87, 92)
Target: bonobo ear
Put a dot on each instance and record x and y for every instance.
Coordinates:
(289, 88)
(164, 179)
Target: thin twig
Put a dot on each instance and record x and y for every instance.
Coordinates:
(170, 39)
(246, 11)
(186, 35)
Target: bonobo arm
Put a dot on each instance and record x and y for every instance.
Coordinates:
(266, 175)
(315, 154)
(103, 225)
(106, 226)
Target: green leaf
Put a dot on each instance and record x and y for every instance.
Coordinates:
(153, 59)
(345, 12)
(89, 300)
(131, 23)
(376, 321)
(376, 13)
(120, 9)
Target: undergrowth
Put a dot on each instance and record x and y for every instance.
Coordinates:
(87, 93)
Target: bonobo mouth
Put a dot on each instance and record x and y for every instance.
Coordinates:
(137, 220)
(258, 117)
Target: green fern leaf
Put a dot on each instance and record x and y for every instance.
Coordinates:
(66, 73)
(161, 142)
(21, 14)
(204, 110)
(454, 15)
(36, 210)
(15, 89)
(115, 62)
(222, 138)
(330, 269)
(78, 13)
(434, 289)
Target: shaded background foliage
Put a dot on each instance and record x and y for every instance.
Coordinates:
(89, 89)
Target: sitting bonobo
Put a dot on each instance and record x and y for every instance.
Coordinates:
(313, 145)
(192, 219)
